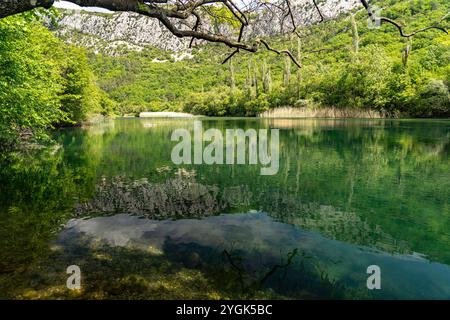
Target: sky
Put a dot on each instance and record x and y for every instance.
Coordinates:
(69, 5)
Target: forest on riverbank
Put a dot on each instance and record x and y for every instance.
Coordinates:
(344, 65)
(46, 83)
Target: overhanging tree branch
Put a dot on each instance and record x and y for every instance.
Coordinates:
(170, 11)
(10, 7)
(407, 35)
(371, 15)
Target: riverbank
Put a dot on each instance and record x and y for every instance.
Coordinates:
(325, 112)
(165, 114)
(285, 112)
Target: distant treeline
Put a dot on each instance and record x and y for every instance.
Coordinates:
(345, 65)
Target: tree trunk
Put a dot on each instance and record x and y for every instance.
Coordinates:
(10, 7)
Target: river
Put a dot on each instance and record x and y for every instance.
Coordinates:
(348, 194)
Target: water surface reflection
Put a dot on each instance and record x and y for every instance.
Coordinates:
(348, 194)
(259, 243)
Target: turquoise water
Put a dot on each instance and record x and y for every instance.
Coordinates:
(348, 194)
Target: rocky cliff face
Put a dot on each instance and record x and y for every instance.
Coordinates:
(111, 33)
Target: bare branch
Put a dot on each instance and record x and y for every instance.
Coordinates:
(287, 52)
(318, 10)
(230, 56)
(195, 28)
(291, 15)
(10, 7)
(398, 26)
(243, 18)
(407, 35)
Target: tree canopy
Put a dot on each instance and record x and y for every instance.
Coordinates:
(185, 18)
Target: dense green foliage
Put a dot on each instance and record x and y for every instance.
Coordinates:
(380, 184)
(43, 82)
(356, 67)
(46, 83)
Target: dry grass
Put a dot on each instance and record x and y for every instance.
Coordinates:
(308, 112)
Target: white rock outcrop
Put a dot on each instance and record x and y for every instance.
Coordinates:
(110, 33)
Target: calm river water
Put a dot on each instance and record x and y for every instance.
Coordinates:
(348, 194)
